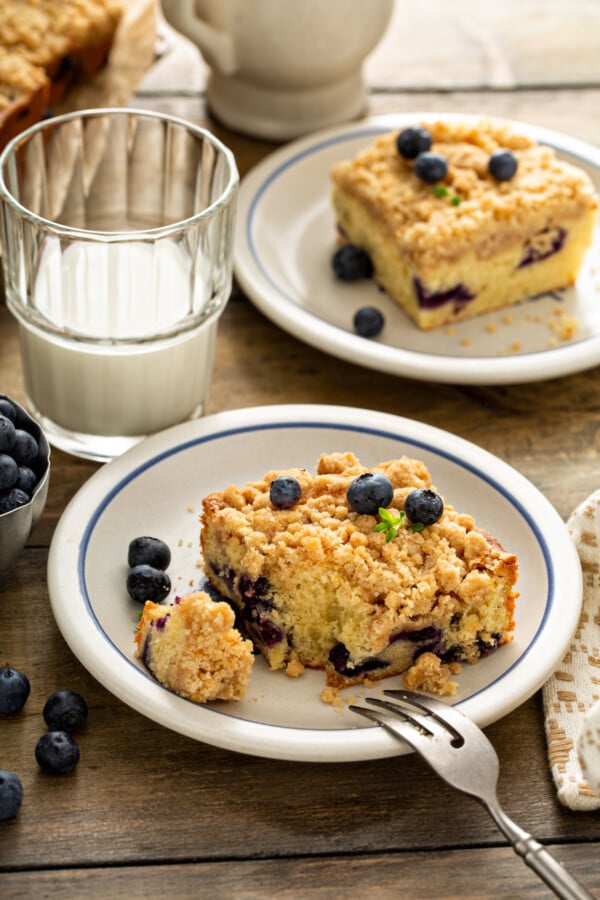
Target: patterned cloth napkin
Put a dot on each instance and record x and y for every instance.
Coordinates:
(575, 686)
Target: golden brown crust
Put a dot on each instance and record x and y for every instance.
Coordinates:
(47, 46)
(24, 94)
(330, 578)
(491, 214)
(44, 31)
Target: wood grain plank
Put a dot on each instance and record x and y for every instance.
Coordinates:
(439, 875)
(148, 811)
(150, 780)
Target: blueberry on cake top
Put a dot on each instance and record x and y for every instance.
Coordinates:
(336, 582)
(483, 218)
(192, 648)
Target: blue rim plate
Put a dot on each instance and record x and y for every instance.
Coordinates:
(285, 236)
(157, 488)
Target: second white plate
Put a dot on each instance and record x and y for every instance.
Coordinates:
(285, 239)
(157, 489)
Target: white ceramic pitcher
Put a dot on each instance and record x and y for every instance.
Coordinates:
(282, 68)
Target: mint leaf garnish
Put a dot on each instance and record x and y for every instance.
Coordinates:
(441, 191)
(391, 524)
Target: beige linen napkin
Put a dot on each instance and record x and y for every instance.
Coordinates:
(575, 686)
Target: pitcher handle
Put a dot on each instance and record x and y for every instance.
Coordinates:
(216, 46)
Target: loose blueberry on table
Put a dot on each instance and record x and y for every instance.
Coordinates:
(369, 492)
(57, 753)
(11, 795)
(65, 711)
(14, 690)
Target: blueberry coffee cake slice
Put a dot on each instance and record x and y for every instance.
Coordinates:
(462, 217)
(360, 572)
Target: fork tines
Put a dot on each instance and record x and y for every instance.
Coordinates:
(409, 710)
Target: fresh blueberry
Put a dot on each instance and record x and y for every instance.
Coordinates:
(351, 263)
(11, 795)
(502, 165)
(7, 434)
(12, 499)
(9, 471)
(412, 141)
(423, 507)
(430, 167)
(25, 448)
(147, 583)
(57, 753)
(8, 409)
(149, 551)
(368, 321)
(368, 492)
(14, 690)
(26, 480)
(65, 711)
(285, 491)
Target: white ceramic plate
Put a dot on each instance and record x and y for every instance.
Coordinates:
(157, 489)
(285, 239)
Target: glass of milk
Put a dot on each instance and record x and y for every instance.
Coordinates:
(117, 230)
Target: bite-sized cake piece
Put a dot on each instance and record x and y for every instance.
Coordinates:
(192, 647)
(447, 237)
(322, 578)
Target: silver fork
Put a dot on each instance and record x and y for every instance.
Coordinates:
(455, 747)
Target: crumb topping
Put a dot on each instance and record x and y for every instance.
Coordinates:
(41, 31)
(36, 35)
(192, 647)
(491, 215)
(423, 577)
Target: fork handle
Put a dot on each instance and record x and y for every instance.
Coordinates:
(538, 858)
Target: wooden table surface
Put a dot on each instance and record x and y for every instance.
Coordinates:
(149, 813)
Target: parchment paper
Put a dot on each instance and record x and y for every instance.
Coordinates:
(133, 52)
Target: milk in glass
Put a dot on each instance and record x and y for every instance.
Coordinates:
(124, 294)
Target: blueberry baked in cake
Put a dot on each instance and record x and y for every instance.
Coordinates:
(463, 217)
(360, 572)
(192, 647)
